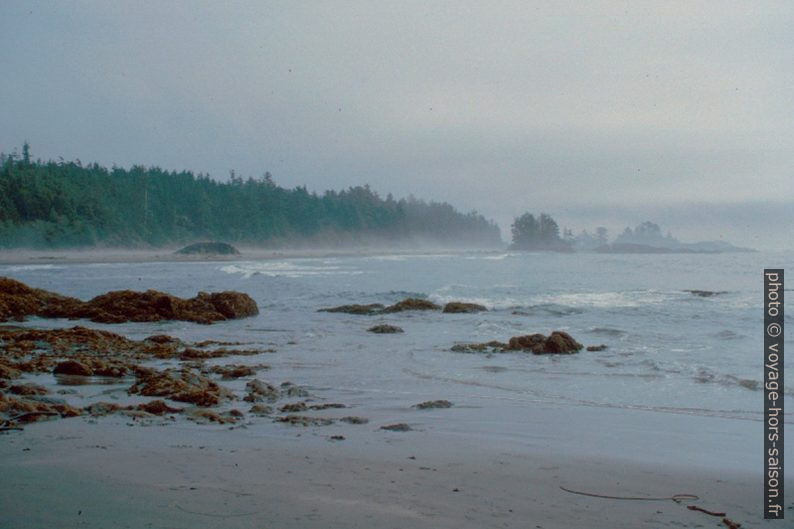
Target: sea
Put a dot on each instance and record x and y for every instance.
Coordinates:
(683, 336)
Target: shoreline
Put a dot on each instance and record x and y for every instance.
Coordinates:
(112, 256)
(110, 474)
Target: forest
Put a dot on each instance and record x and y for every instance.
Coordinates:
(49, 204)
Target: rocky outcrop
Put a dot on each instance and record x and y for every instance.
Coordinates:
(181, 386)
(18, 301)
(408, 304)
(411, 304)
(456, 307)
(558, 342)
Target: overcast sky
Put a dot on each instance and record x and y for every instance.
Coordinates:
(596, 112)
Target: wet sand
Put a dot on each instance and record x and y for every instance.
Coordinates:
(74, 473)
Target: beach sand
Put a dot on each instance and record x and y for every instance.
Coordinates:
(75, 473)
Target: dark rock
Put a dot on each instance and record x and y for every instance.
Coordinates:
(460, 307)
(158, 407)
(411, 304)
(28, 390)
(430, 404)
(366, 310)
(594, 348)
(558, 342)
(73, 367)
(399, 427)
(492, 346)
(354, 420)
(705, 293)
(385, 329)
(17, 301)
(303, 420)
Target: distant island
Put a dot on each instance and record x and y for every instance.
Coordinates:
(68, 205)
(543, 234)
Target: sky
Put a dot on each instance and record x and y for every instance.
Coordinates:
(599, 113)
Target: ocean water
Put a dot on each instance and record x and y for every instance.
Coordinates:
(669, 352)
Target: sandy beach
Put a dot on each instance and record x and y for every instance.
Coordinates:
(72, 473)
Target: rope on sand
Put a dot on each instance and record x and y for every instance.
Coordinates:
(678, 498)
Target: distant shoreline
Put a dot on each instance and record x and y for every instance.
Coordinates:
(114, 255)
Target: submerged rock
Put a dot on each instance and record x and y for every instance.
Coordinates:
(208, 248)
(594, 348)
(303, 420)
(366, 310)
(492, 346)
(399, 427)
(705, 293)
(430, 404)
(460, 307)
(411, 304)
(385, 329)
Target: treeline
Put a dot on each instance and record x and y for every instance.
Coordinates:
(541, 233)
(65, 204)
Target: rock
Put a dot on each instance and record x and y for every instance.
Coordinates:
(293, 408)
(385, 329)
(208, 248)
(705, 293)
(354, 420)
(203, 416)
(258, 391)
(430, 404)
(183, 386)
(399, 427)
(233, 371)
(558, 342)
(411, 304)
(260, 410)
(28, 390)
(158, 407)
(288, 389)
(593, 348)
(366, 310)
(163, 339)
(492, 346)
(303, 420)
(460, 307)
(17, 301)
(330, 405)
(73, 367)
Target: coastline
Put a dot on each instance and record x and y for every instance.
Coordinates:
(112, 255)
(74, 473)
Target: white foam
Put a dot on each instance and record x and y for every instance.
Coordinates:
(286, 269)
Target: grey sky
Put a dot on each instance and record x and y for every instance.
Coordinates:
(597, 112)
